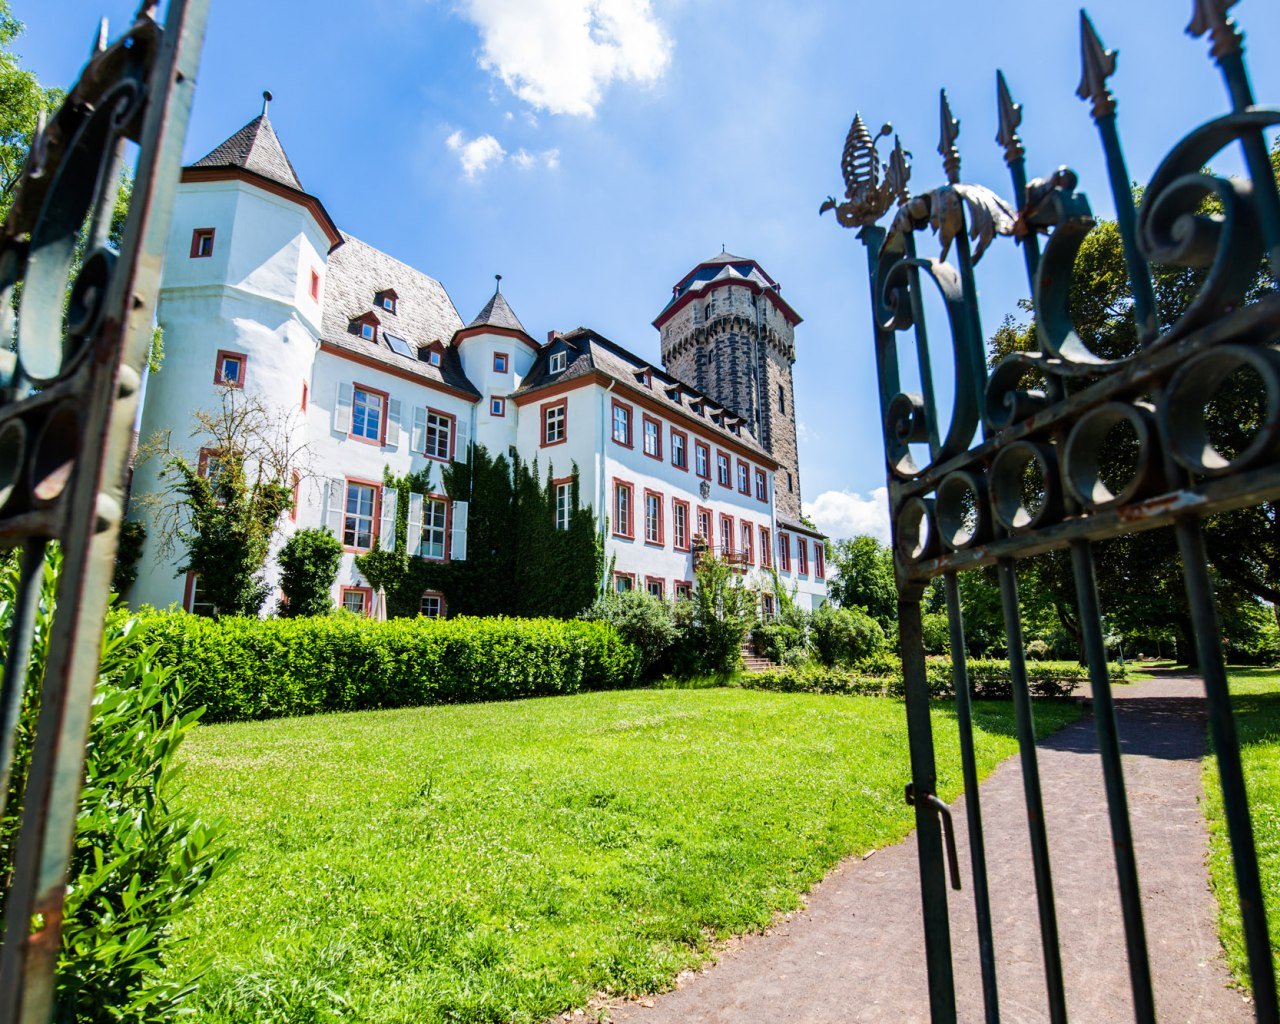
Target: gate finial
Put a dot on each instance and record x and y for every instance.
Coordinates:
(1211, 16)
(1010, 119)
(1097, 65)
(947, 141)
(868, 196)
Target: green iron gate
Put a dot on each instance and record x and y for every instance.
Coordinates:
(1026, 463)
(70, 373)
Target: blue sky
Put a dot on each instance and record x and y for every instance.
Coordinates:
(593, 151)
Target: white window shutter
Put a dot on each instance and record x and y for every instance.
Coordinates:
(335, 497)
(414, 540)
(387, 524)
(458, 539)
(462, 444)
(393, 423)
(342, 409)
(418, 436)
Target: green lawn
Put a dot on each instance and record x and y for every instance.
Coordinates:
(1256, 694)
(503, 862)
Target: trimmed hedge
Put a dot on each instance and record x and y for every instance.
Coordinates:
(988, 678)
(243, 668)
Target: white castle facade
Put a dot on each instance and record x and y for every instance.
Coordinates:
(370, 366)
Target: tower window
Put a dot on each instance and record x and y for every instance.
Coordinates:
(315, 286)
(790, 484)
(201, 243)
(782, 400)
(500, 362)
(229, 370)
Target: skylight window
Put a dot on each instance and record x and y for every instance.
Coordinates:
(399, 346)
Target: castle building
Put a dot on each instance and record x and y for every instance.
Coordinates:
(365, 363)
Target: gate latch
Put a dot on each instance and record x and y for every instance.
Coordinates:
(948, 832)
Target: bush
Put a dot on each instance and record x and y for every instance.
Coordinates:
(844, 636)
(136, 863)
(723, 609)
(245, 668)
(936, 630)
(775, 640)
(308, 566)
(641, 620)
(1037, 650)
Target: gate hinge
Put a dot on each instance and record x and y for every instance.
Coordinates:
(948, 832)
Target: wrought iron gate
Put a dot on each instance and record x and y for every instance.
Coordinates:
(68, 397)
(1037, 479)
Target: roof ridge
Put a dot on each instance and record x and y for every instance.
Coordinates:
(255, 147)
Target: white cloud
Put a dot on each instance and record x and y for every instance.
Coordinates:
(476, 155)
(841, 514)
(526, 161)
(551, 157)
(803, 433)
(559, 55)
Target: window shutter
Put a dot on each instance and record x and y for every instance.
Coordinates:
(387, 523)
(414, 540)
(458, 538)
(393, 423)
(418, 436)
(335, 493)
(462, 444)
(342, 409)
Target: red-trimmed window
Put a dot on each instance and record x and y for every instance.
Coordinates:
(315, 286)
(555, 421)
(784, 552)
(652, 437)
(564, 501)
(436, 513)
(229, 369)
(819, 561)
(723, 472)
(682, 589)
(652, 517)
(368, 414)
(767, 606)
(497, 406)
(624, 581)
(802, 556)
(655, 586)
(744, 478)
(201, 243)
(748, 542)
(762, 485)
(432, 605)
(357, 599)
(360, 515)
(679, 449)
(304, 396)
(439, 436)
(680, 524)
(704, 523)
(194, 599)
(702, 460)
(623, 500)
(766, 548)
(621, 423)
(726, 535)
(501, 362)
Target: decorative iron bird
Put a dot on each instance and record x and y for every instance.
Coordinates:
(869, 196)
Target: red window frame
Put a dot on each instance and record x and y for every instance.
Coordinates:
(662, 587)
(382, 422)
(506, 362)
(315, 286)
(658, 503)
(238, 357)
(189, 593)
(620, 575)
(706, 450)
(726, 521)
(556, 484)
(497, 406)
(448, 527)
(630, 488)
(684, 448)
(646, 421)
(198, 236)
(784, 552)
(444, 607)
(744, 478)
(819, 561)
(748, 535)
(682, 590)
(453, 435)
(377, 513)
(766, 548)
(723, 459)
(802, 557)
(675, 533)
(368, 597)
(304, 396)
(762, 486)
(698, 531)
(543, 410)
(629, 442)
(767, 605)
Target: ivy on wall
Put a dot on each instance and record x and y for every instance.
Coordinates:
(518, 562)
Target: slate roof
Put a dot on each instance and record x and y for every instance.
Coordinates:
(255, 147)
(498, 313)
(725, 266)
(591, 352)
(424, 312)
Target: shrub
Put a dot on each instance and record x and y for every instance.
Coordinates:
(253, 668)
(844, 636)
(723, 610)
(1037, 650)
(641, 620)
(936, 629)
(775, 640)
(133, 536)
(137, 862)
(308, 566)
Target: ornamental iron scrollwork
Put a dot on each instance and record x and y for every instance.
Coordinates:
(1072, 442)
(70, 376)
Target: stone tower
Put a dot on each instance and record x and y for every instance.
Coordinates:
(728, 332)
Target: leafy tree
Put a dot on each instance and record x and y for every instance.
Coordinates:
(723, 610)
(22, 98)
(862, 577)
(845, 636)
(309, 563)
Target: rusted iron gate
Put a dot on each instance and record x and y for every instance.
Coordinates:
(1036, 479)
(69, 384)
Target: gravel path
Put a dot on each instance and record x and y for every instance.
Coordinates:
(854, 953)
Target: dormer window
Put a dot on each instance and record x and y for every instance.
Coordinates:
(558, 360)
(433, 357)
(365, 326)
(368, 332)
(386, 299)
